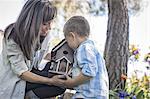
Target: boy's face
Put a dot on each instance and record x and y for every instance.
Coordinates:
(72, 40)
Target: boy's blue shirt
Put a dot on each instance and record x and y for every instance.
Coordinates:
(88, 60)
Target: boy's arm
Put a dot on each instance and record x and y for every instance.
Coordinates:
(73, 82)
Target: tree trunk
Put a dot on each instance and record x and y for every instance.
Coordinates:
(117, 43)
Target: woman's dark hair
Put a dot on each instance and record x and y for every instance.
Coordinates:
(26, 29)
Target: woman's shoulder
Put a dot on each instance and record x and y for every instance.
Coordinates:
(8, 40)
(8, 30)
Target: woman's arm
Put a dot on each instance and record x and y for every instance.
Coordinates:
(19, 66)
(32, 77)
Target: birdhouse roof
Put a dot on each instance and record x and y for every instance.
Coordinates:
(62, 50)
(63, 58)
(59, 45)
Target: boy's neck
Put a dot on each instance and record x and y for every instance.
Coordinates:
(81, 40)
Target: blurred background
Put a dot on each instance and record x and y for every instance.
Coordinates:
(96, 12)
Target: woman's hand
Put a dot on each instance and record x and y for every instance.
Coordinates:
(62, 80)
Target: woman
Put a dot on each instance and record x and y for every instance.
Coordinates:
(19, 45)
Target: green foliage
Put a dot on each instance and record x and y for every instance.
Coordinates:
(135, 89)
(113, 94)
(139, 87)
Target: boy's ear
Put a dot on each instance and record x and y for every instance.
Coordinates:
(72, 35)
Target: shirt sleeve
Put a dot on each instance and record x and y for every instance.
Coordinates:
(16, 58)
(86, 59)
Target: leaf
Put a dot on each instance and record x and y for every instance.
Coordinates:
(140, 95)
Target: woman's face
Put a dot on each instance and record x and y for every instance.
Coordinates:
(45, 28)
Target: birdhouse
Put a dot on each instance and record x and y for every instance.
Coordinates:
(61, 63)
(61, 59)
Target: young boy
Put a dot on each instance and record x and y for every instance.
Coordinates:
(89, 74)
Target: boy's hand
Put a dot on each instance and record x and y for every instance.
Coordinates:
(57, 81)
(68, 81)
(63, 77)
(61, 80)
